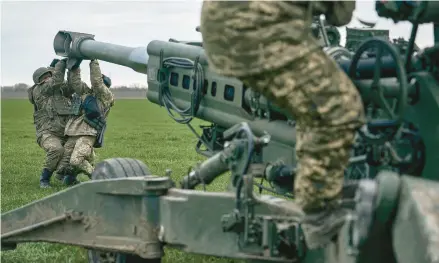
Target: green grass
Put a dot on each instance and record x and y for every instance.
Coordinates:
(137, 129)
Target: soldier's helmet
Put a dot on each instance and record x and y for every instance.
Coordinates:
(107, 81)
(39, 73)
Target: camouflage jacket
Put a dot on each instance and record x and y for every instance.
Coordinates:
(76, 126)
(243, 38)
(52, 103)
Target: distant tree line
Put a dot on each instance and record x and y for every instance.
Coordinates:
(23, 87)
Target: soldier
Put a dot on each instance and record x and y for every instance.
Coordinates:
(86, 130)
(64, 168)
(269, 46)
(52, 107)
(60, 173)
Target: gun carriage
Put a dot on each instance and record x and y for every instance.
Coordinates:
(391, 184)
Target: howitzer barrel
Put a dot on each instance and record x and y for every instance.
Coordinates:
(226, 113)
(77, 46)
(214, 108)
(226, 100)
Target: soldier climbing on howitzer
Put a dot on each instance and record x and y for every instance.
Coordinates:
(269, 46)
(50, 97)
(85, 130)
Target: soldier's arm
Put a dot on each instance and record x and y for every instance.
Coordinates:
(59, 72)
(76, 83)
(85, 88)
(67, 88)
(98, 86)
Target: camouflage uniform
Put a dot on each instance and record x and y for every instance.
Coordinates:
(65, 171)
(269, 46)
(81, 135)
(52, 107)
(61, 173)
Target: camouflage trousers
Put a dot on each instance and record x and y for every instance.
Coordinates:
(54, 148)
(269, 46)
(79, 154)
(328, 111)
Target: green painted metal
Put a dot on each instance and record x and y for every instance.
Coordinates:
(394, 213)
(356, 36)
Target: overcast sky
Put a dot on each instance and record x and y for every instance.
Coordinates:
(28, 29)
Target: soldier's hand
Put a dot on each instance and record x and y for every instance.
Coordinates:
(65, 60)
(75, 67)
(106, 80)
(54, 61)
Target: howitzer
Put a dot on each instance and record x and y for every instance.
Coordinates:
(394, 214)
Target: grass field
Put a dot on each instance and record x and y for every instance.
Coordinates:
(137, 129)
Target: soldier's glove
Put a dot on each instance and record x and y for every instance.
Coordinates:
(106, 80)
(77, 64)
(54, 61)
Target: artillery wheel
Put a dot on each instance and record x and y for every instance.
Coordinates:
(118, 168)
(395, 113)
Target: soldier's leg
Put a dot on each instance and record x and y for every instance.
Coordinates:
(274, 40)
(65, 169)
(59, 169)
(328, 111)
(81, 154)
(53, 146)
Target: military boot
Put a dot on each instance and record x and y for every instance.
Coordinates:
(45, 178)
(320, 228)
(63, 172)
(70, 180)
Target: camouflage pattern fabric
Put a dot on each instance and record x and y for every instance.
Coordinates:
(101, 91)
(54, 148)
(79, 151)
(79, 154)
(52, 103)
(82, 162)
(52, 109)
(76, 125)
(269, 46)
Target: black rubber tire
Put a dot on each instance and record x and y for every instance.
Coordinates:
(118, 168)
(111, 257)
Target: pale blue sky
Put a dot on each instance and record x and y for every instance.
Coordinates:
(28, 29)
